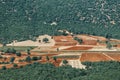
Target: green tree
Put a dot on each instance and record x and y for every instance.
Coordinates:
(18, 54)
(109, 45)
(12, 59)
(65, 62)
(47, 58)
(28, 51)
(55, 58)
(79, 40)
(1, 57)
(45, 40)
(28, 59)
(12, 51)
(4, 68)
(35, 58)
(15, 65)
(39, 58)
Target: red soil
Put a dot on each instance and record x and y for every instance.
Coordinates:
(115, 56)
(64, 41)
(79, 48)
(94, 57)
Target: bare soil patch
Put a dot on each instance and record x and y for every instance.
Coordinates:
(79, 48)
(94, 57)
(114, 56)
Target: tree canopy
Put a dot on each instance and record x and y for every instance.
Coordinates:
(96, 71)
(24, 19)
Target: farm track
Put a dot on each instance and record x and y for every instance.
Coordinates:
(108, 56)
(80, 51)
(115, 56)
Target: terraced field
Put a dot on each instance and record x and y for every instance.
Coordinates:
(79, 48)
(114, 56)
(93, 57)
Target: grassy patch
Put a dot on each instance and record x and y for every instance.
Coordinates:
(18, 48)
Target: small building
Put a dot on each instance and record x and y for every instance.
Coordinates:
(64, 41)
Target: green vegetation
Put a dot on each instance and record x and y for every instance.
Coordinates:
(15, 65)
(3, 67)
(28, 59)
(4, 62)
(17, 48)
(55, 58)
(12, 59)
(65, 62)
(109, 45)
(35, 58)
(79, 40)
(45, 40)
(1, 57)
(96, 71)
(9, 50)
(18, 54)
(28, 51)
(23, 19)
(47, 58)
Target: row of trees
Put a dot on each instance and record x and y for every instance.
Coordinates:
(13, 51)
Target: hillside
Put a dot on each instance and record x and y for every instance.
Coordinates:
(94, 71)
(23, 19)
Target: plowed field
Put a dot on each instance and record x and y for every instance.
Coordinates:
(115, 56)
(79, 48)
(93, 57)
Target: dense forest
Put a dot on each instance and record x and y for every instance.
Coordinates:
(94, 71)
(24, 19)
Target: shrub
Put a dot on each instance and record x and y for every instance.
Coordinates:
(28, 51)
(47, 58)
(1, 57)
(39, 58)
(15, 65)
(21, 60)
(109, 45)
(35, 58)
(12, 59)
(28, 59)
(13, 51)
(4, 68)
(9, 50)
(45, 40)
(21, 66)
(18, 54)
(79, 40)
(55, 58)
(65, 62)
